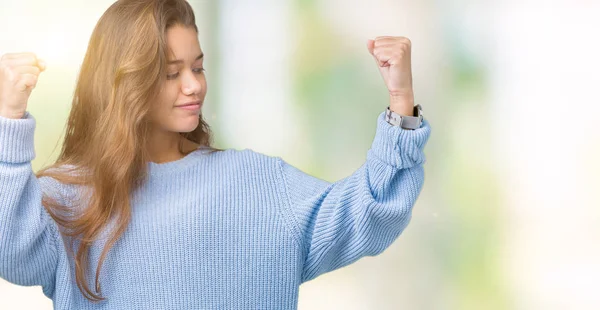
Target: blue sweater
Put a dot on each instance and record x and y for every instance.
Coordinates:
(229, 230)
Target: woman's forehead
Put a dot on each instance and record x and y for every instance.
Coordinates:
(183, 44)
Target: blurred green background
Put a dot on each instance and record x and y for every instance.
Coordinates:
(508, 217)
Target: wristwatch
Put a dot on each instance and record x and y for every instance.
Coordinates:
(406, 122)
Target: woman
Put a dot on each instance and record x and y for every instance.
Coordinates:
(139, 211)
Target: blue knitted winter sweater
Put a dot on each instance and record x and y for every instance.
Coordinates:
(226, 230)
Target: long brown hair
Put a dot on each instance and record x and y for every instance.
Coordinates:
(107, 129)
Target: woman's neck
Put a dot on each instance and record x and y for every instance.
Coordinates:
(164, 147)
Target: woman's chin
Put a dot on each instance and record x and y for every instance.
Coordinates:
(187, 125)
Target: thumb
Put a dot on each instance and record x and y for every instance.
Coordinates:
(370, 46)
(41, 64)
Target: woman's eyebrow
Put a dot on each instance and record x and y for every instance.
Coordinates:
(178, 61)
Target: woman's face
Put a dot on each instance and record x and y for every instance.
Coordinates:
(177, 107)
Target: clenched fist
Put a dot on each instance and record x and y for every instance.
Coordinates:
(18, 77)
(392, 55)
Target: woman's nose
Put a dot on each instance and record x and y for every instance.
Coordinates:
(191, 85)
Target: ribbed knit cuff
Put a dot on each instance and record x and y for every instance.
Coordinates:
(401, 148)
(16, 139)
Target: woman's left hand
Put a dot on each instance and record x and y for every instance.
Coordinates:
(392, 55)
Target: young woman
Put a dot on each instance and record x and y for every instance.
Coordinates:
(140, 212)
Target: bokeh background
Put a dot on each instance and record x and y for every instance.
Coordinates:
(509, 216)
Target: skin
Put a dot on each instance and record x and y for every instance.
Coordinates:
(393, 58)
(185, 83)
(18, 77)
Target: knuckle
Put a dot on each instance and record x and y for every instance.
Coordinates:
(28, 80)
(10, 75)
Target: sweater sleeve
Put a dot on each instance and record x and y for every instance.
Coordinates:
(28, 235)
(361, 215)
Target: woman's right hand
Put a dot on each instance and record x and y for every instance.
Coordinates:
(18, 76)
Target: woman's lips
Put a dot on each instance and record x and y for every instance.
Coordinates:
(190, 107)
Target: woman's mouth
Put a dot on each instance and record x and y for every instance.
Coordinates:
(192, 106)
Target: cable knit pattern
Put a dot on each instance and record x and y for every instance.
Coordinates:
(229, 230)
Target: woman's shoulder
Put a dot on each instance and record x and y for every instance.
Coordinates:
(248, 154)
(61, 182)
(244, 157)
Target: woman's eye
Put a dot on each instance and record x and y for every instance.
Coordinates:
(176, 74)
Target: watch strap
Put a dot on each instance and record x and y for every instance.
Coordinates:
(406, 122)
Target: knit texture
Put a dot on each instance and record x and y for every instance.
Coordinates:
(226, 230)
